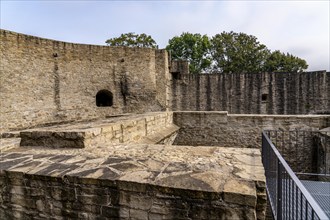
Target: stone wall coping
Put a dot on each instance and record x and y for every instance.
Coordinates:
(211, 74)
(278, 116)
(90, 126)
(251, 115)
(202, 112)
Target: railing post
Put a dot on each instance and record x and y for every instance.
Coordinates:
(279, 191)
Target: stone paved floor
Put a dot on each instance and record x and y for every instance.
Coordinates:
(216, 169)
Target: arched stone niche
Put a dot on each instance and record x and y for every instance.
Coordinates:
(104, 98)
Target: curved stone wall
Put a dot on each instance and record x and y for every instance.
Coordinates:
(47, 81)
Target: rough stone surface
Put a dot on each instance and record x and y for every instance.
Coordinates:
(66, 78)
(322, 145)
(8, 143)
(251, 93)
(305, 151)
(238, 130)
(139, 128)
(133, 182)
(45, 81)
(293, 136)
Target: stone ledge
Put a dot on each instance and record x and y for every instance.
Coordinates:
(160, 136)
(9, 143)
(149, 128)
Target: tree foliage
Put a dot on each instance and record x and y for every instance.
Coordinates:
(238, 52)
(227, 52)
(231, 52)
(281, 62)
(133, 40)
(191, 47)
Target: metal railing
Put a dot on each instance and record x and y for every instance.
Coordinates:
(288, 197)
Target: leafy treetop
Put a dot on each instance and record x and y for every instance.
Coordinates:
(236, 52)
(191, 47)
(133, 40)
(281, 62)
(230, 52)
(227, 52)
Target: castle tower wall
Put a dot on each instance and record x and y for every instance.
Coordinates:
(47, 81)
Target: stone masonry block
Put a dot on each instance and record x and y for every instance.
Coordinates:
(110, 212)
(138, 214)
(240, 192)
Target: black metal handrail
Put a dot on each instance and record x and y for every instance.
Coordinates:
(288, 197)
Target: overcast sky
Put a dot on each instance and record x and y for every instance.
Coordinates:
(297, 27)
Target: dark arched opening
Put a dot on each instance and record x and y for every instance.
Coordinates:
(104, 98)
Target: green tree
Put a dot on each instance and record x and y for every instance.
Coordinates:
(132, 40)
(191, 47)
(281, 62)
(238, 52)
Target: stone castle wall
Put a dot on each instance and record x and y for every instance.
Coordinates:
(264, 93)
(46, 81)
(302, 149)
(292, 135)
(237, 130)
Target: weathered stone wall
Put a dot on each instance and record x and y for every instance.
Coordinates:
(46, 81)
(298, 149)
(230, 130)
(306, 152)
(293, 136)
(322, 144)
(42, 197)
(265, 93)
